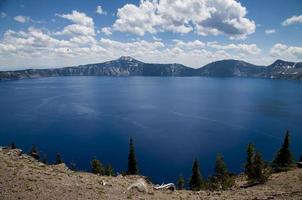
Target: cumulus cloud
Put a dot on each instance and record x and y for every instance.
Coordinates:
(100, 10)
(283, 51)
(78, 18)
(35, 47)
(292, 20)
(22, 19)
(106, 30)
(270, 31)
(250, 49)
(205, 17)
(82, 24)
(190, 45)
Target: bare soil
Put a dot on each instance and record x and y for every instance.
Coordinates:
(22, 177)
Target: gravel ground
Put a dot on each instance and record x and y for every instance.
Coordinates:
(22, 177)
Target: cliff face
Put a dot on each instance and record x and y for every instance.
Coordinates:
(127, 66)
(22, 177)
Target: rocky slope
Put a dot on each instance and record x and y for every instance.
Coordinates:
(22, 177)
(127, 66)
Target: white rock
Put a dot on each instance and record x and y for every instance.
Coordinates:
(140, 185)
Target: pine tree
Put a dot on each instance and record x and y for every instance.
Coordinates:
(221, 171)
(196, 182)
(132, 165)
(260, 169)
(13, 145)
(284, 159)
(256, 169)
(300, 159)
(96, 167)
(222, 178)
(109, 171)
(58, 159)
(34, 153)
(249, 166)
(180, 182)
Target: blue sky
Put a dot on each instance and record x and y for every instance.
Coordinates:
(53, 33)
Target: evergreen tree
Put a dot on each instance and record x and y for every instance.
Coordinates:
(132, 165)
(300, 159)
(256, 169)
(260, 169)
(58, 159)
(221, 179)
(196, 182)
(284, 159)
(96, 167)
(221, 171)
(13, 145)
(249, 166)
(180, 182)
(109, 171)
(34, 153)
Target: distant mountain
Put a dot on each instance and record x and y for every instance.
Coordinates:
(231, 68)
(128, 66)
(284, 70)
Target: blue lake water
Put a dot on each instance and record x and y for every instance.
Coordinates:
(171, 119)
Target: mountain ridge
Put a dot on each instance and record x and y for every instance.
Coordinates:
(129, 66)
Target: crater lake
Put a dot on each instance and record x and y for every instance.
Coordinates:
(172, 120)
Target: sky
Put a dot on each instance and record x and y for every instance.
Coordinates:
(57, 33)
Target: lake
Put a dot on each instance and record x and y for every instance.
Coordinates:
(171, 119)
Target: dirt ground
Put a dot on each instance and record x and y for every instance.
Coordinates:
(22, 177)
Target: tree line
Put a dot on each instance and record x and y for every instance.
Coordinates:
(256, 169)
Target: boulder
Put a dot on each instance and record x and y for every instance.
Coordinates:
(169, 186)
(140, 185)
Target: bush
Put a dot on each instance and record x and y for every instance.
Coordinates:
(180, 182)
(97, 167)
(58, 159)
(222, 178)
(13, 145)
(256, 169)
(34, 153)
(109, 171)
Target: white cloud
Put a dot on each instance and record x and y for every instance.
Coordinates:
(83, 24)
(35, 47)
(191, 45)
(283, 51)
(78, 18)
(292, 20)
(106, 30)
(250, 49)
(22, 19)
(205, 17)
(270, 31)
(100, 10)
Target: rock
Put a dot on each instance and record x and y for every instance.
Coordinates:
(169, 186)
(140, 185)
(61, 167)
(41, 164)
